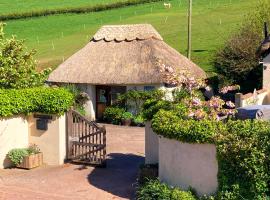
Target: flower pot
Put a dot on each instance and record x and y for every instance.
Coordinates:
(126, 122)
(31, 161)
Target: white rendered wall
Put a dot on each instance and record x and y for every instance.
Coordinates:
(51, 142)
(188, 165)
(13, 134)
(151, 145)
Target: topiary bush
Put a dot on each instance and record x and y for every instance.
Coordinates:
(42, 99)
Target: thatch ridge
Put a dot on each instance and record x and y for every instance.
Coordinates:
(126, 33)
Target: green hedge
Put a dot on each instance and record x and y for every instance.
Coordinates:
(155, 190)
(42, 100)
(243, 150)
(85, 9)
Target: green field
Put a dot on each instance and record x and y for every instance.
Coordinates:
(59, 36)
(18, 6)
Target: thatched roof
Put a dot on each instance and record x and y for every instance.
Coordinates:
(264, 48)
(122, 55)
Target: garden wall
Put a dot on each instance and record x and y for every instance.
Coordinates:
(51, 142)
(20, 131)
(182, 164)
(151, 145)
(13, 134)
(188, 165)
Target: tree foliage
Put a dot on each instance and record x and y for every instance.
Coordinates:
(236, 60)
(17, 64)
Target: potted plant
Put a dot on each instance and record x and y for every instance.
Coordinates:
(26, 158)
(126, 118)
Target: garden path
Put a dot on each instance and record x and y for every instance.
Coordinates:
(125, 147)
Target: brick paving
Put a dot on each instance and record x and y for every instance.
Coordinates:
(67, 182)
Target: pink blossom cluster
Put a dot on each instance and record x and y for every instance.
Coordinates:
(227, 89)
(199, 109)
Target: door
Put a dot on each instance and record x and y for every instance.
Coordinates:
(103, 99)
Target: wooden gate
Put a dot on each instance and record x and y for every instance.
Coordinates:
(86, 140)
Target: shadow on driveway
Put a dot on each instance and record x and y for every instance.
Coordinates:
(119, 177)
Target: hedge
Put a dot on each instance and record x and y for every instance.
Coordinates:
(243, 150)
(42, 100)
(85, 9)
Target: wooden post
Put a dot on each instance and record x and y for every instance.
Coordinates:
(189, 29)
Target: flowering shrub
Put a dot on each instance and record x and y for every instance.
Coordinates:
(243, 147)
(189, 95)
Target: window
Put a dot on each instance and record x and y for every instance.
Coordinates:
(149, 88)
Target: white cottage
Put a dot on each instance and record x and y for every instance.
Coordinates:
(120, 58)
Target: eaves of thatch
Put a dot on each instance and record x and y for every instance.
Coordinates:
(123, 55)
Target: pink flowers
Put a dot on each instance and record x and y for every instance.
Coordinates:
(226, 89)
(230, 104)
(196, 101)
(198, 109)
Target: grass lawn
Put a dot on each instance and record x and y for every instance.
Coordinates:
(18, 6)
(59, 36)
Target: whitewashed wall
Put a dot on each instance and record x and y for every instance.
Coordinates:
(151, 145)
(20, 131)
(13, 134)
(188, 165)
(51, 142)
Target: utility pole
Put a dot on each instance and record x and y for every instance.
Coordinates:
(189, 29)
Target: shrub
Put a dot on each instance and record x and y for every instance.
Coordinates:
(17, 65)
(243, 149)
(127, 115)
(138, 120)
(135, 98)
(237, 61)
(43, 100)
(152, 106)
(16, 155)
(155, 190)
(113, 114)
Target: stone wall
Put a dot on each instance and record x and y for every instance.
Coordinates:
(151, 145)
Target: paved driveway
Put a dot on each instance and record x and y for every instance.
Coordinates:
(125, 154)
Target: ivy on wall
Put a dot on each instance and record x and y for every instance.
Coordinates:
(41, 99)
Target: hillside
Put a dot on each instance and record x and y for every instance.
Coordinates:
(57, 37)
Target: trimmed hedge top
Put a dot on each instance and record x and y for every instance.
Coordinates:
(42, 99)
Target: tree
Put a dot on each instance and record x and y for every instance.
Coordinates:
(237, 60)
(17, 65)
